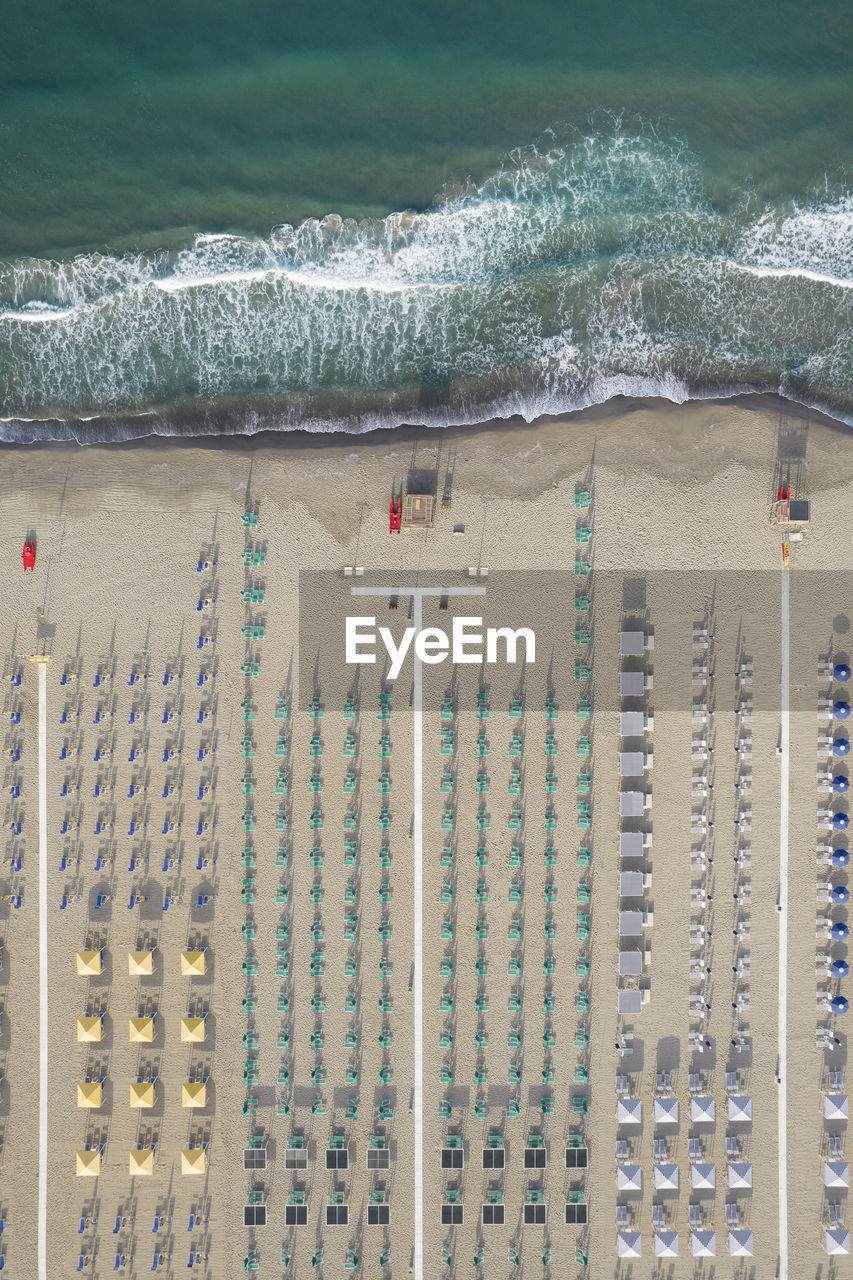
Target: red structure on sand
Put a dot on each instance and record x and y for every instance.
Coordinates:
(29, 556)
(395, 514)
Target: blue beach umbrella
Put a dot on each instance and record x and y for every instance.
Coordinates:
(840, 893)
(840, 747)
(841, 671)
(841, 710)
(839, 931)
(840, 821)
(840, 858)
(840, 968)
(839, 1004)
(840, 784)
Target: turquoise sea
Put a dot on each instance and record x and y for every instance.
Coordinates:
(219, 217)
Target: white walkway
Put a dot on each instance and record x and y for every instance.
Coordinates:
(782, 1014)
(418, 593)
(43, 973)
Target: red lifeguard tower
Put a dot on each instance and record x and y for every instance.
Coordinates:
(395, 514)
(29, 556)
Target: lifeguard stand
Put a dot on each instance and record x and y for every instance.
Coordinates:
(418, 510)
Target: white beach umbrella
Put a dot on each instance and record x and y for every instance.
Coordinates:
(835, 1106)
(666, 1244)
(629, 1177)
(629, 1244)
(836, 1173)
(837, 1240)
(629, 1111)
(703, 1244)
(703, 1177)
(666, 1111)
(703, 1110)
(740, 1244)
(740, 1106)
(740, 1175)
(666, 1177)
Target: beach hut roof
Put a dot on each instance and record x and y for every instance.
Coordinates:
(629, 1177)
(89, 1094)
(703, 1109)
(837, 1240)
(629, 1111)
(141, 1030)
(740, 1106)
(666, 1177)
(140, 963)
(740, 1244)
(89, 1029)
(89, 964)
(629, 1244)
(666, 1244)
(835, 1106)
(142, 1093)
(703, 1244)
(192, 964)
(666, 1110)
(193, 1160)
(193, 1093)
(141, 1162)
(192, 1030)
(740, 1174)
(703, 1177)
(836, 1173)
(88, 1162)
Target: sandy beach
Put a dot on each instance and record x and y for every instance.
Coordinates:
(185, 761)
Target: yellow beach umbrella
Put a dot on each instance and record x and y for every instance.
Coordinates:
(89, 1029)
(140, 964)
(142, 1093)
(141, 1030)
(88, 1163)
(88, 964)
(141, 1162)
(193, 1160)
(89, 1093)
(192, 964)
(192, 1030)
(193, 1094)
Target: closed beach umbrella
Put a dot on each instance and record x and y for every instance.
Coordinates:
(840, 784)
(839, 931)
(841, 747)
(839, 1004)
(840, 821)
(840, 968)
(193, 1160)
(840, 858)
(840, 893)
(841, 709)
(841, 671)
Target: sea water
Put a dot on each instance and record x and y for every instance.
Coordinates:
(198, 231)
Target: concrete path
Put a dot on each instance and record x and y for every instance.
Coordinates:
(43, 974)
(782, 1013)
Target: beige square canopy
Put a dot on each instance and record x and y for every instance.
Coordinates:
(192, 1030)
(89, 1029)
(142, 1093)
(192, 964)
(88, 1163)
(141, 1162)
(141, 1030)
(89, 1093)
(193, 1094)
(89, 964)
(140, 964)
(193, 1160)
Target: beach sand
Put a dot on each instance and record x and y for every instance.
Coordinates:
(680, 505)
